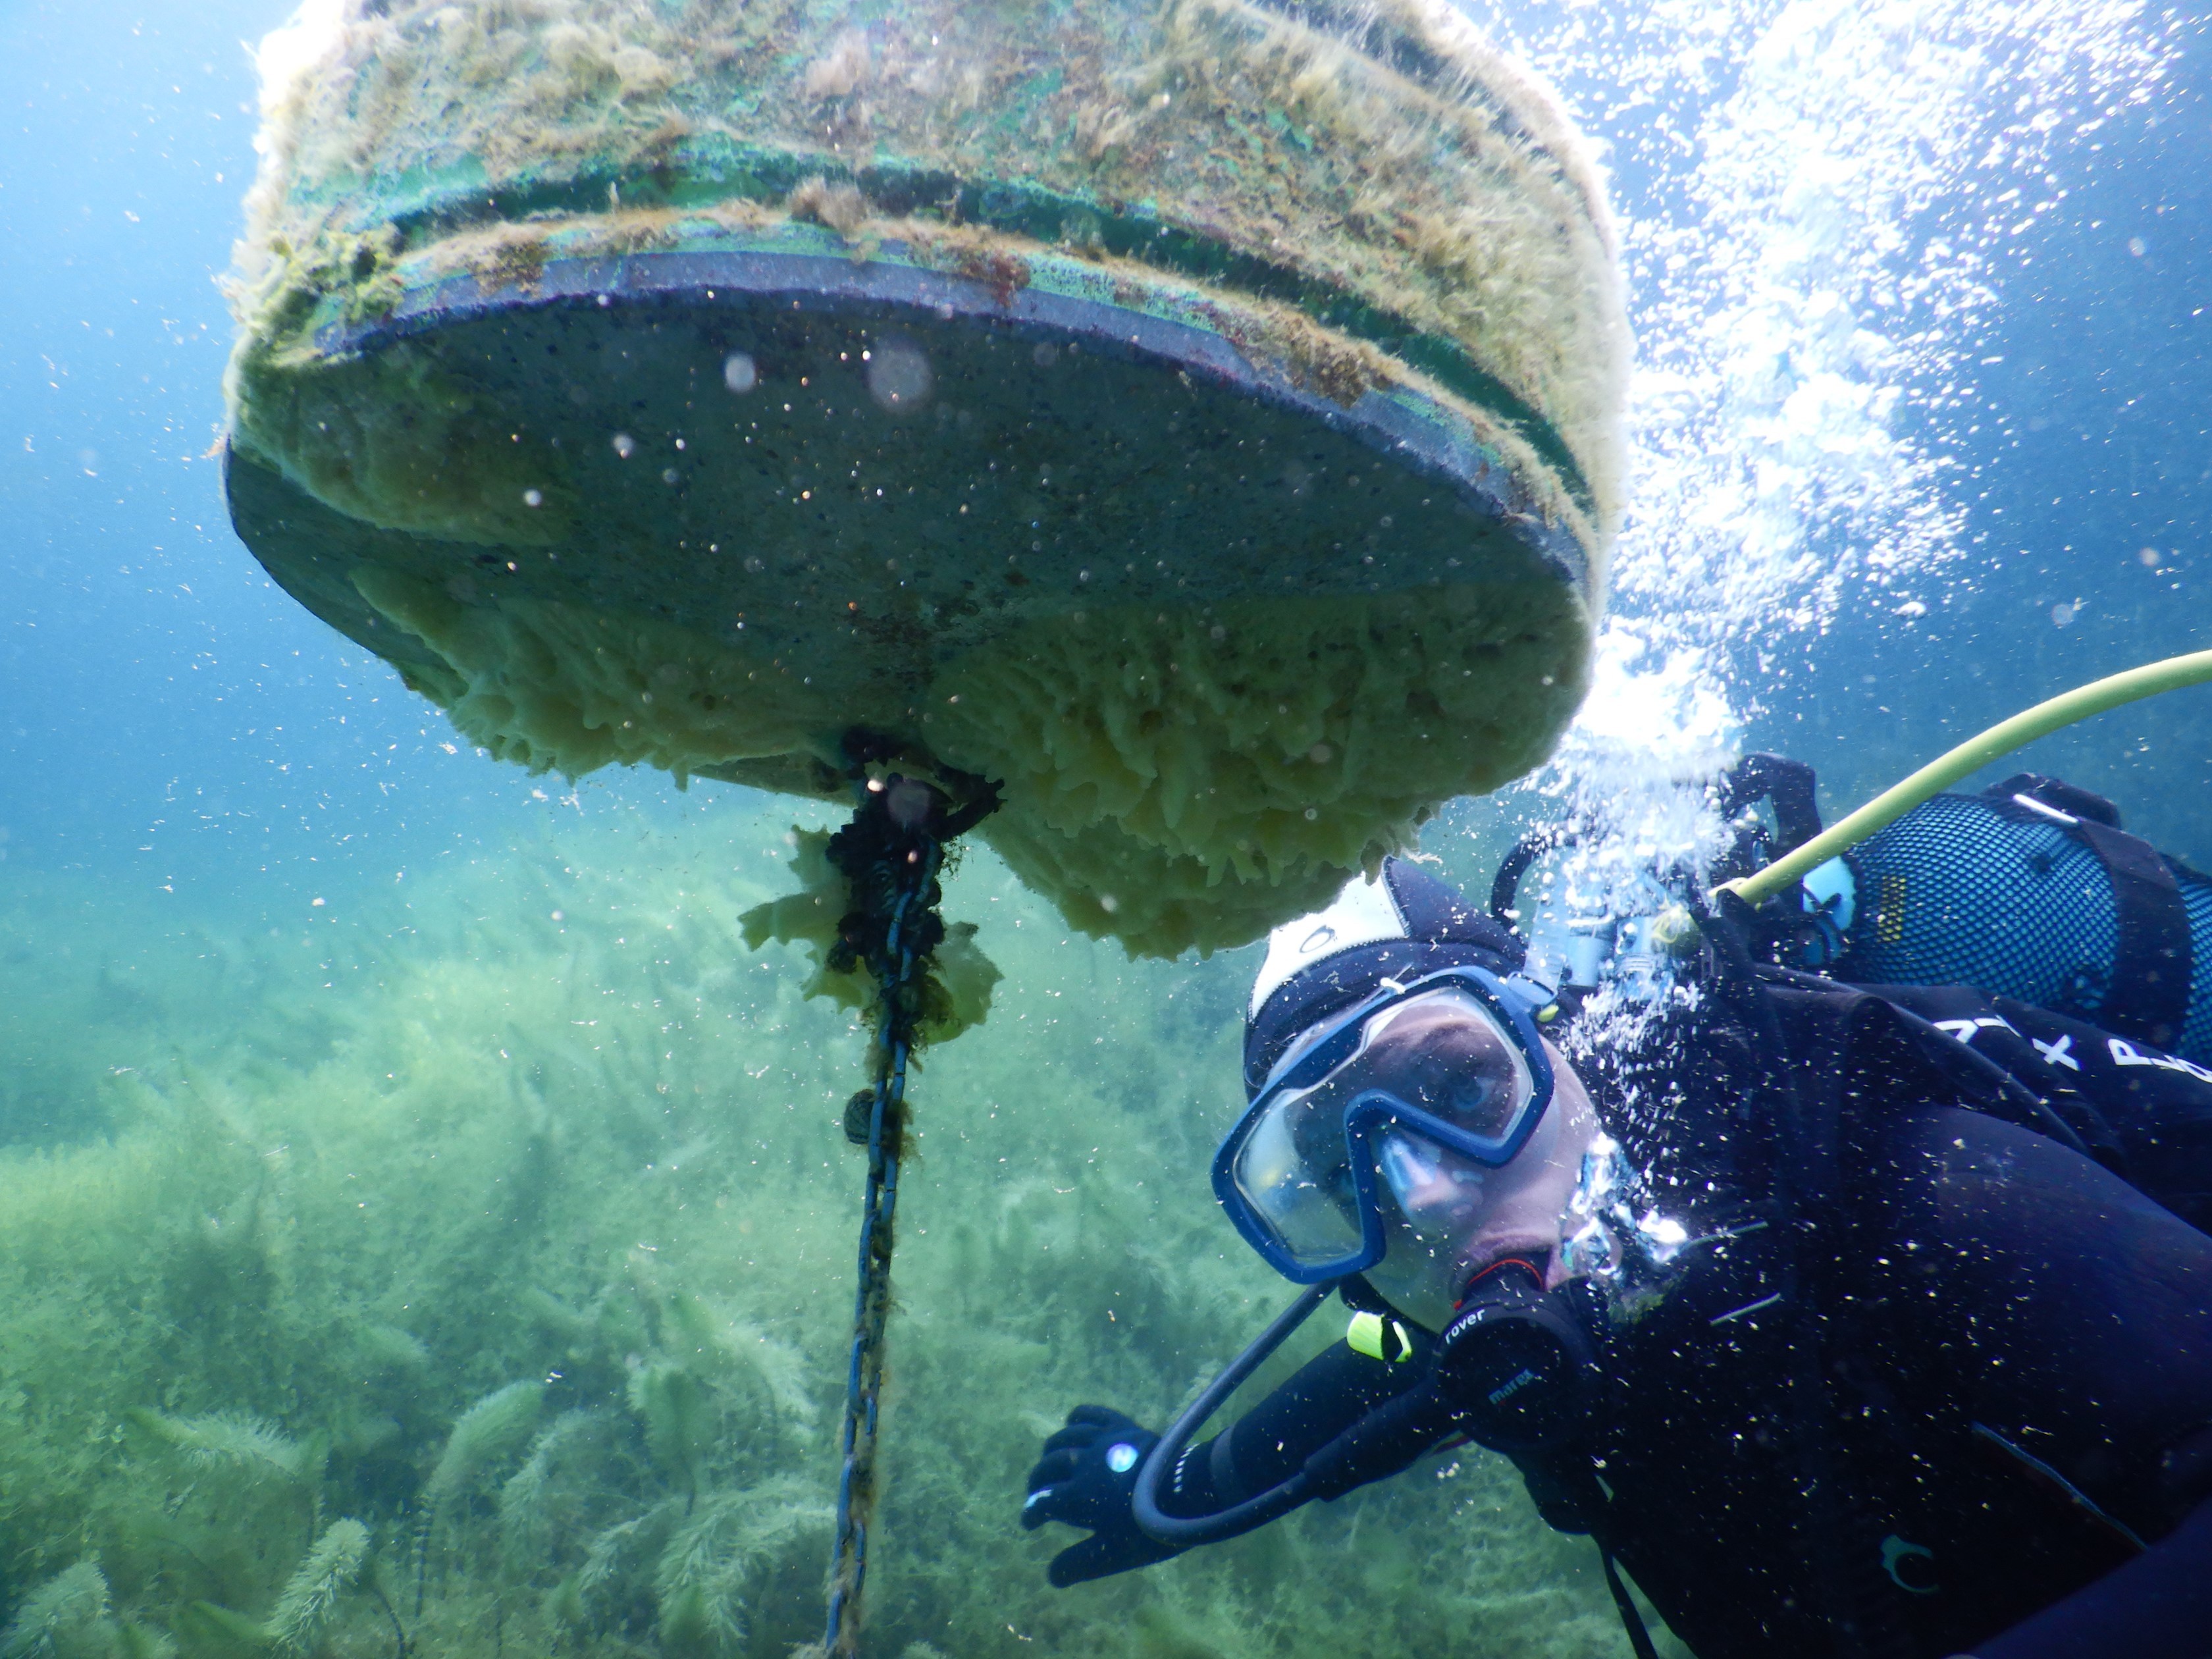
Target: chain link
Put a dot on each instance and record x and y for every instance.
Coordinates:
(896, 972)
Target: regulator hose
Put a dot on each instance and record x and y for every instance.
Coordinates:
(1255, 1511)
(2170, 674)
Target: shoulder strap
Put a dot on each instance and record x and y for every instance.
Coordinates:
(1632, 1621)
(2067, 798)
(2152, 965)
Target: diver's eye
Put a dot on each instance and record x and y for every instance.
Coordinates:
(1468, 1092)
(1480, 1100)
(1473, 1096)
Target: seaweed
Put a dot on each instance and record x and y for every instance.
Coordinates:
(287, 1311)
(304, 1608)
(483, 1436)
(62, 1618)
(234, 1441)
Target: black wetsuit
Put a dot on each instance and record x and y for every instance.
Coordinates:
(1968, 1380)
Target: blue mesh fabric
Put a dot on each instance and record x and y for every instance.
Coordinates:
(1955, 893)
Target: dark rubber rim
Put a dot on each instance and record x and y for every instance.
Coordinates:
(712, 171)
(828, 284)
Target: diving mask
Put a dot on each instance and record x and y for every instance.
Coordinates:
(1386, 1122)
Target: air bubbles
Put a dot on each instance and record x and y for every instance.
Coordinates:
(625, 446)
(740, 373)
(669, 475)
(2063, 615)
(1776, 270)
(1044, 353)
(899, 376)
(533, 498)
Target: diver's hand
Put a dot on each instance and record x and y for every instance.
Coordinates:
(1087, 1478)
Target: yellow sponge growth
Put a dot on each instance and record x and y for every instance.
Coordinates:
(1172, 779)
(560, 689)
(1176, 780)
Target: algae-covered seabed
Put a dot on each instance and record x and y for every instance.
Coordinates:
(477, 1261)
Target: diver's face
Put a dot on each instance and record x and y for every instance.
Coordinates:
(1451, 1218)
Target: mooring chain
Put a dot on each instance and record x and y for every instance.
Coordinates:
(872, 1303)
(890, 854)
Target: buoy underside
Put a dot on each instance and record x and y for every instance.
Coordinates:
(709, 517)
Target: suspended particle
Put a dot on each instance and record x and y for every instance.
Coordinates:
(899, 377)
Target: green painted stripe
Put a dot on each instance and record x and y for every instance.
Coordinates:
(426, 207)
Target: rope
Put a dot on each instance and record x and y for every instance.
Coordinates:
(911, 861)
(890, 854)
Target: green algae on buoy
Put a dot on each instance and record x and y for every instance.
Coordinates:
(1199, 417)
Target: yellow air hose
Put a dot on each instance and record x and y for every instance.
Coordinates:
(2000, 739)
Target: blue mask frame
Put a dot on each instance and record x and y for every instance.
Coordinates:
(1338, 1040)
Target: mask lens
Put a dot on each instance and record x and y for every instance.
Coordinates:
(1445, 1053)
(1292, 1171)
(1441, 1052)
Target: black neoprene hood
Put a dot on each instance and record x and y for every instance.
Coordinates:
(1435, 927)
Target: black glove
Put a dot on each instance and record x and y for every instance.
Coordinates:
(1087, 1478)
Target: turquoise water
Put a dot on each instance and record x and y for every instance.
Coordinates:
(390, 1138)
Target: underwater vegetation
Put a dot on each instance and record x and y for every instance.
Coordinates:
(478, 1281)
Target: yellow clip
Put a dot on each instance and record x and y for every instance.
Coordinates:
(1366, 1335)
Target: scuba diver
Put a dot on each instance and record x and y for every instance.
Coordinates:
(1847, 1319)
